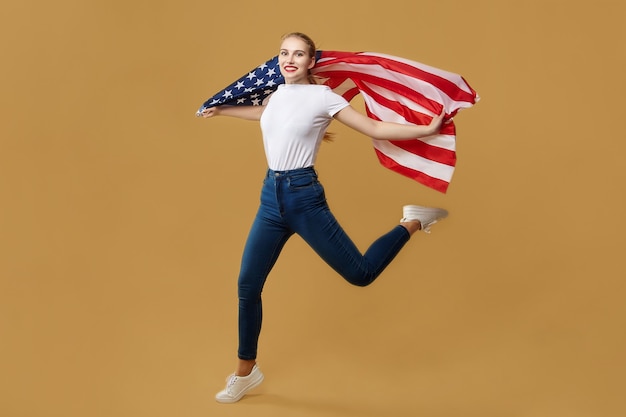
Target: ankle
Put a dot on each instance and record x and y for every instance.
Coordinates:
(244, 367)
(412, 226)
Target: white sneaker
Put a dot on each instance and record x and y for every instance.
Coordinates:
(238, 386)
(427, 216)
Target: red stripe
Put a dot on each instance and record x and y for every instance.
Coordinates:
(350, 94)
(434, 183)
(432, 153)
(334, 81)
(448, 87)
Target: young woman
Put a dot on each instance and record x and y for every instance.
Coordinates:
(293, 122)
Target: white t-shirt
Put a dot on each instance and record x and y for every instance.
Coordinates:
(294, 123)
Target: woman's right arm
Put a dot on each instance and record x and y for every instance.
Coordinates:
(241, 112)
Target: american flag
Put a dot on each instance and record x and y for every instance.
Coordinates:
(393, 89)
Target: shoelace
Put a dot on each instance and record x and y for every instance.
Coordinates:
(426, 228)
(231, 382)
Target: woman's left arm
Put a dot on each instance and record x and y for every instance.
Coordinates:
(386, 130)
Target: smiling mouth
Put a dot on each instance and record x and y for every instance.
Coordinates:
(290, 68)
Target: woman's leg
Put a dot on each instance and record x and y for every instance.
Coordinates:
(337, 249)
(310, 217)
(267, 237)
(264, 244)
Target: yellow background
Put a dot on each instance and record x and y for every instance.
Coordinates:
(122, 216)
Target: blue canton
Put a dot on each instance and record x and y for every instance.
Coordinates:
(251, 89)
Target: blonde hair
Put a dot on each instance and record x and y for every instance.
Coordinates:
(328, 137)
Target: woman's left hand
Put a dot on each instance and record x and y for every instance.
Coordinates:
(435, 123)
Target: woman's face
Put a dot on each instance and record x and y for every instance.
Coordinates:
(294, 61)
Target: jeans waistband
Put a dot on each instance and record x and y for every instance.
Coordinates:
(290, 172)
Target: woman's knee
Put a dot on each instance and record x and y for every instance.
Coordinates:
(249, 294)
(359, 279)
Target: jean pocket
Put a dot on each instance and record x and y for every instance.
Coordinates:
(302, 181)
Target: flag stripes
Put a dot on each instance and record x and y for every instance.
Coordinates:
(402, 91)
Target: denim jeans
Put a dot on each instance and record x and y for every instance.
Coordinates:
(294, 202)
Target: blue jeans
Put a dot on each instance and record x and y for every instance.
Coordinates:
(294, 202)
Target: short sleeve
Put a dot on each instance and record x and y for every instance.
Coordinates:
(334, 102)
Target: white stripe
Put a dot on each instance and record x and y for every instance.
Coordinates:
(434, 169)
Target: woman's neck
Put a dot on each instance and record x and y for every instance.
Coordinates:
(301, 82)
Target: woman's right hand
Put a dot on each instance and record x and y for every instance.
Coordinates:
(241, 112)
(210, 112)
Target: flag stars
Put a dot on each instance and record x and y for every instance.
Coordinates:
(270, 83)
(240, 85)
(259, 82)
(271, 71)
(228, 94)
(256, 102)
(251, 75)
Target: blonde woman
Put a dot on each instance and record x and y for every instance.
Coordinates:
(293, 122)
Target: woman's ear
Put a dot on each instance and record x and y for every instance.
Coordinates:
(312, 64)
